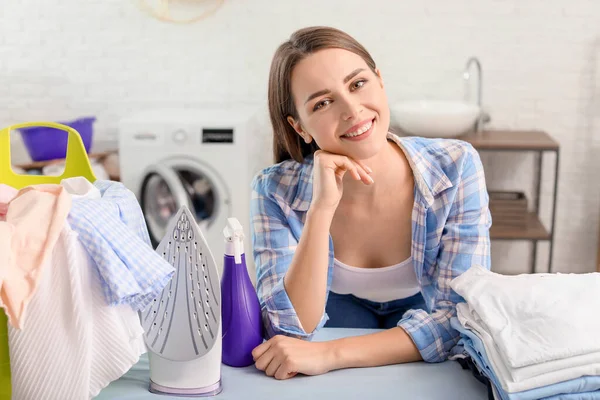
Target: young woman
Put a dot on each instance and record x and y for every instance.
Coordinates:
(355, 226)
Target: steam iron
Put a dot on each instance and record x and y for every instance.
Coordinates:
(183, 325)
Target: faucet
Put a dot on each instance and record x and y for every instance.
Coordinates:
(483, 117)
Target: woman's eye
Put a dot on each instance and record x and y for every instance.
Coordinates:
(321, 104)
(358, 84)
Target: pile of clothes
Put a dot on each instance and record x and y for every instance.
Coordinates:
(76, 267)
(532, 336)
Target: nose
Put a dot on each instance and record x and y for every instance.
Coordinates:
(351, 108)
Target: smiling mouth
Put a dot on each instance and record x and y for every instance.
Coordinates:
(360, 130)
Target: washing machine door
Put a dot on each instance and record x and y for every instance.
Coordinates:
(170, 184)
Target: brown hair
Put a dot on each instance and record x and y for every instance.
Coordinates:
(287, 144)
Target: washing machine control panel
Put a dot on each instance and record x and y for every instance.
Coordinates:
(180, 136)
(208, 135)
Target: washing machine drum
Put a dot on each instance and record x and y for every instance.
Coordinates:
(171, 184)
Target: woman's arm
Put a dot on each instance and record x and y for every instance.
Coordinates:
(465, 242)
(291, 275)
(274, 247)
(283, 357)
(308, 271)
(392, 346)
(306, 279)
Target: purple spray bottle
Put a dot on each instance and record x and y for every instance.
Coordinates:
(242, 323)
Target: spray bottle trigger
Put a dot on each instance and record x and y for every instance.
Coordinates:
(234, 233)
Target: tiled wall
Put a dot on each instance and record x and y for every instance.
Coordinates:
(68, 58)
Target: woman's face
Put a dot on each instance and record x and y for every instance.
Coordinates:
(341, 103)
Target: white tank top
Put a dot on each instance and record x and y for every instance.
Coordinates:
(376, 284)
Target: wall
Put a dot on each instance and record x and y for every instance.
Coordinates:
(68, 58)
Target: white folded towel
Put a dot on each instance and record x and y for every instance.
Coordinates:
(532, 376)
(535, 318)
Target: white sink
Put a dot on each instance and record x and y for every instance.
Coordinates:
(435, 118)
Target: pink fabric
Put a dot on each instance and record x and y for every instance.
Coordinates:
(7, 193)
(32, 223)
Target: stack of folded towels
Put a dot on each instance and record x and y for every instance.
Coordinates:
(534, 336)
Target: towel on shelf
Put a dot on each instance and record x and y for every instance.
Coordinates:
(111, 226)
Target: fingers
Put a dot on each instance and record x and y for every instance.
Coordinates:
(261, 349)
(273, 366)
(269, 358)
(364, 166)
(344, 166)
(285, 371)
(264, 361)
(365, 175)
(359, 171)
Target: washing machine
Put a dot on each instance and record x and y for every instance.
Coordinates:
(194, 157)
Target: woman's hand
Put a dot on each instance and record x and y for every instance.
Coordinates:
(283, 357)
(328, 173)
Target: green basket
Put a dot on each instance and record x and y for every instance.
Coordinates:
(76, 164)
(4, 359)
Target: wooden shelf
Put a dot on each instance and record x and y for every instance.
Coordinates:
(522, 141)
(511, 140)
(533, 230)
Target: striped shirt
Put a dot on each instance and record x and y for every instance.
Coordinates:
(450, 233)
(113, 231)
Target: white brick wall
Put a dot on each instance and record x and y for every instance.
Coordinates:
(541, 60)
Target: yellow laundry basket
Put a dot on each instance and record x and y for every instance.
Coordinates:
(76, 164)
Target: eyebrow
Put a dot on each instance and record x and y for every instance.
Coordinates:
(325, 91)
(353, 74)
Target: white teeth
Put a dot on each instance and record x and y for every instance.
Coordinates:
(360, 131)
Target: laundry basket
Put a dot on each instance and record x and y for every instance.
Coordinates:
(76, 164)
(44, 143)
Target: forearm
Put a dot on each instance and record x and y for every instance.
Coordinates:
(306, 279)
(392, 346)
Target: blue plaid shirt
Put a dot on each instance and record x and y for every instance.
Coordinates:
(450, 233)
(113, 231)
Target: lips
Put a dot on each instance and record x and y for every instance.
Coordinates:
(357, 127)
(363, 133)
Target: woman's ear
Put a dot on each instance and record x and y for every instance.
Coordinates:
(378, 73)
(299, 130)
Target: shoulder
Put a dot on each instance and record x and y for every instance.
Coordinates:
(285, 181)
(444, 157)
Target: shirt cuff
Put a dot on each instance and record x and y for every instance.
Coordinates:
(424, 332)
(280, 316)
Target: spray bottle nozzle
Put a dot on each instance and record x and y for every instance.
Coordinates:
(234, 233)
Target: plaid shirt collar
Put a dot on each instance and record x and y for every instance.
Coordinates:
(430, 178)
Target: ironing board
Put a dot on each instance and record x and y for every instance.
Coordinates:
(420, 380)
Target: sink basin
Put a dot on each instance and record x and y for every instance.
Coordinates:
(435, 118)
